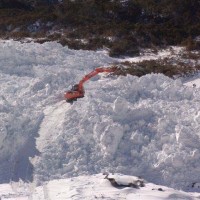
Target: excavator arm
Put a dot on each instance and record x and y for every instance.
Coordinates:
(77, 90)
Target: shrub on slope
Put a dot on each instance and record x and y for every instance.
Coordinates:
(120, 26)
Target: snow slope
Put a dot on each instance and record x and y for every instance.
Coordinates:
(146, 126)
(153, 133)
(97, 187)
(33, 77)
(194, 82)
(92, 187)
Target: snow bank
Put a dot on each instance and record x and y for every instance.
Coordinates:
(194, 81)
(93, 187)
(146, 126)
(33, 77)
(141, 126)
(97, 187)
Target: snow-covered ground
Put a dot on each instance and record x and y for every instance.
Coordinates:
(97, 187)
(194, 82)
(92, 187)
(146, 126)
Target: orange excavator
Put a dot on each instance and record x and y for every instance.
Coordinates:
(78, 91)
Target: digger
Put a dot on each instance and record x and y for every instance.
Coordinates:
(78, 91)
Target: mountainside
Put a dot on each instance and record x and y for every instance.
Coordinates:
(135, 134)
(147, 126)
(124, 27)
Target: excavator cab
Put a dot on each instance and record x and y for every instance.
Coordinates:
(74, 94)
(74, 87)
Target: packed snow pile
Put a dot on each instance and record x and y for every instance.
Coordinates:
(33, 77)
(141, 126)
(146, 126)
(91, 187)
(97, 187)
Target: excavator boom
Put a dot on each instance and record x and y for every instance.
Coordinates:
(77, 90)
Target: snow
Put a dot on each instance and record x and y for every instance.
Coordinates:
(148, 54)
(52, 122)
(194, 82)
(97, 187)
(146, 126)
(92, 187)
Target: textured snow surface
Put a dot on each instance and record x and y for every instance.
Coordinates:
(96, 187)
(146, 126)
(92, 187)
